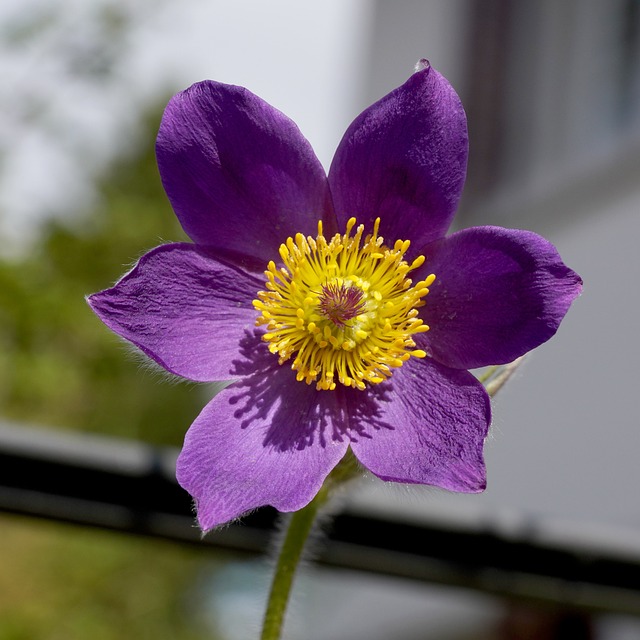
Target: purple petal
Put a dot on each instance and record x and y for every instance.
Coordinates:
(404, 159)
(428, 429)
(265, 440)
(184, 309)
(498, 293)
(239, 174)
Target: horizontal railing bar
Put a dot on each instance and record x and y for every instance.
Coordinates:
(130, 487)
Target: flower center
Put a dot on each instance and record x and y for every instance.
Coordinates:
(343, 309)
(341, 302)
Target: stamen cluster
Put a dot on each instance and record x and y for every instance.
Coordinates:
(343, 309)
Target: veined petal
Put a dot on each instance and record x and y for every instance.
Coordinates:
(184, 309)
(265, 440)
(428, 429)
(239, 174)
(498, 293)
(404, 159)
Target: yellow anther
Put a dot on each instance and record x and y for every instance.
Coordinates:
(418, 262)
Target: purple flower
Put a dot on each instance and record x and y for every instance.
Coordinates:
(357, 334)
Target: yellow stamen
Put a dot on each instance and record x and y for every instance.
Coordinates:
(343, 309)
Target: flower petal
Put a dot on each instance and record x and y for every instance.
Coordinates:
(429, 429)
(239, 174)
(184, 309)
(404, 159)
(498, 293)
(265, 440)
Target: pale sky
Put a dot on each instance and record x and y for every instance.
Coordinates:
(60, 126)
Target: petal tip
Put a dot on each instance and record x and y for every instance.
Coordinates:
(98, 302)
(480, 485)
(422, 65)
(207, 522)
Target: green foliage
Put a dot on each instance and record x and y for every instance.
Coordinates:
(59, 365)
(64, 583)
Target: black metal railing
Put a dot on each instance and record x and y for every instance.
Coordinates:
(130, 487)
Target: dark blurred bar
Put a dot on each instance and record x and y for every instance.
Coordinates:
(129, 487)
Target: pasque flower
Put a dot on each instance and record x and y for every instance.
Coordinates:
(337, 306)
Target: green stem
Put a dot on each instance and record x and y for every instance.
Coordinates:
(501, 377)
(297, 533)
(488, 373)
(298, 530)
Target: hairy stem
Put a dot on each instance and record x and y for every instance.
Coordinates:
(297, 533)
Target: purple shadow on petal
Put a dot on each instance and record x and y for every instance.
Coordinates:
(498, 293)
(261, 379)
(429, 427)
(265, 440)
(404, 159)
(239, 174)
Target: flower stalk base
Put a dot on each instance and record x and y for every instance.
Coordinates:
(297, 533)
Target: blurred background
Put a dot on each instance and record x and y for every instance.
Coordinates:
(552, 92)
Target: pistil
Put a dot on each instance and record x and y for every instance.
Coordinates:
(340, 302)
